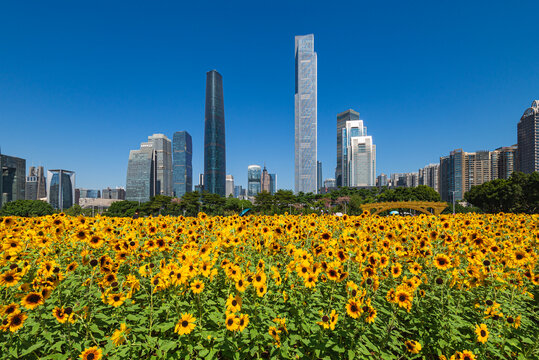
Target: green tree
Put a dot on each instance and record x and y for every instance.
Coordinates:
(264, 201)
(122, 208)
(26, 208)
(283, 200)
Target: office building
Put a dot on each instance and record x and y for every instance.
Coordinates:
(141, 174)
(341, 171)
(330, 183)
(229, 185)
(528, 140)
(114, 194)
(265, 182)
(13, 181)
(429, 176)
(36, 188)
(360, 154)
(182, 163)
(319, 182)
(163, 164)
(273, 183)
(305, 98)
(381, 180)
(254, 180)
(478, 165)
(86, 194)
(503, 162)
(61, 189)
(214, 136)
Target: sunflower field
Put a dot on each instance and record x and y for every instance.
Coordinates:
(286, 287)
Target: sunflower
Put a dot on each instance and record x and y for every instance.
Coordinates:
(261, 290)
(396, 270)
(232, 322)
(274, 332)
(16, 321)
(186, 324)
(72, 266)
(482, 333)
(60, 314)
(10, 309)
(413, 346)
(93, 353)
(116, 299)
(197, 286)
(333, 317)
(404, 299)
(119, 335)
(10, 278)
(259, 279)
(370, 314)
(442, 262)
(240, 285)
(353, 309)
(243, 321)
(310, 281)
(467, 355)
(233, 303)
(32, 300)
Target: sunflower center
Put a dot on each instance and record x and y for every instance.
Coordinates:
(234, 303)
(90, 356)
(483, 333)
(185, 323)
(402, 298)
(34, 298)
(17, 320)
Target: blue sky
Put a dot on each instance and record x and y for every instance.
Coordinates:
(82, 83)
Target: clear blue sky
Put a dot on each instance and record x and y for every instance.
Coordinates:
(82, 83)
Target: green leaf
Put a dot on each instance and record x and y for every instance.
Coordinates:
(351, 355)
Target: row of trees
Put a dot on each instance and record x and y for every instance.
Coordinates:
(518, 194)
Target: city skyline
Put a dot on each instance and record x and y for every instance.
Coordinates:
(439, 103)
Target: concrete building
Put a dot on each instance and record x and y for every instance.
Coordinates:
(319, 182)
(265, 181)
(36, 187)
(528, 140)
(61, 189)
(305, 104)
(13, 181)
(341, 171)
(141, 174)
(429, 176)
(113, 194)
(381, 180)
(360, 154)
(503, 162)
(330, 183)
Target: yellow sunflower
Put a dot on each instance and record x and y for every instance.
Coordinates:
(185, 325)
(93, 353)
(482, 333)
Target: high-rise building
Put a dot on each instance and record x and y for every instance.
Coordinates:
(61, 188)
(13, 181)
(273, 183)
(214, 136)
(381, 180)
(114, 194)
(229, 185)
(429, 176)
(305, 99)
(254, 177)
(183, 163)
(265, 182)
(141, 174)
(319, 182)
(503, 162)
(163, 164)
(528, 140)
(478, 168)
(360, 154)
(35, 184)
(330, 183)
(341, 172)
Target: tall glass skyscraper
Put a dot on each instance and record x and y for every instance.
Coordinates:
(182, 163)
(141, 174)
(214, 136)
(341, 172)
(254, 180)
(305, 99)
(163, 164)
(528, 140)
(12, 179)
(61, 189)
(360, 155)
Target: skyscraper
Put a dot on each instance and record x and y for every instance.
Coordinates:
(183, 163)
(319, 182)
(305, 99)
(163, 164)
(214, 136)
(265, 181)
(115, 194)
(528, 139)
(229, 185)
(13, 178)
(35, 184)
(141, 174)
(273, 183)
(254, 177)
(341, 172)
(360, 154)
(429, 176)
(503, 161)
(61, 189)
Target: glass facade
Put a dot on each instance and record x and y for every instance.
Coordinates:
(254, 177)
(273, 183)
(214, 136)
(528, 140)
(163, 164)
(61, 189)
(360, 155)
(182, 163)
(13, 181)
(341, 177)
(140, 184)
(305, 99)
